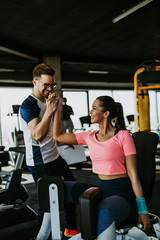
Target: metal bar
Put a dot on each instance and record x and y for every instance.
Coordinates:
(149, 87)
(54, 210)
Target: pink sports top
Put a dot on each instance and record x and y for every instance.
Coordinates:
(108, 158)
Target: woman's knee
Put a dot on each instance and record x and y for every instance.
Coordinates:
(112, 209)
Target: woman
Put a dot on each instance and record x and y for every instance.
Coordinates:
(113, 156)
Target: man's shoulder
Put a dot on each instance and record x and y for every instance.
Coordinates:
(30, 100)
(68, 107)
(29, 108)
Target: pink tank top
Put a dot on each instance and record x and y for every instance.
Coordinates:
(108, 158)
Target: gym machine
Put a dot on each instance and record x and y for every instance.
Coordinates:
(145, 78)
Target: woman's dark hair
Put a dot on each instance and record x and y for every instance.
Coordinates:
(107, 103)
(42, 68)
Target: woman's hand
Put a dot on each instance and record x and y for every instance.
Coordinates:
(144, 219)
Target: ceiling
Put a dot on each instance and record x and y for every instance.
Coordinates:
(83, 35)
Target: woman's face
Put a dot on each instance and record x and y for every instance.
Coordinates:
(96, 112)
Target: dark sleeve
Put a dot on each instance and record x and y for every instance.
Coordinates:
(29, 109)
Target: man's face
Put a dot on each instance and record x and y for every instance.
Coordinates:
(45, 85)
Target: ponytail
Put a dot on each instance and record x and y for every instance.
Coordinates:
(120, 123)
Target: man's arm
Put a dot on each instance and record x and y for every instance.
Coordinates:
(39, 128)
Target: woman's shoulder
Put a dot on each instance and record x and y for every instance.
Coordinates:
(84, 137)
(124, 133)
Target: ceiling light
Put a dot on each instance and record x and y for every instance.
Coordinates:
(6, 70)
(131, 10)
(17, 53)
(97, 72)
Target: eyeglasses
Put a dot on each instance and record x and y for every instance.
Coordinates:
(47, 85)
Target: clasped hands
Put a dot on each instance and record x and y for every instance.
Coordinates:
(53, 102)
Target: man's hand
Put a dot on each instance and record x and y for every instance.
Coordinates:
(52, 103)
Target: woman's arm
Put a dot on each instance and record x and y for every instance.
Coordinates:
(58, 134)
(136, 185)
(133, 175)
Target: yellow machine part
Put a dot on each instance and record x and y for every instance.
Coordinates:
(144, 113)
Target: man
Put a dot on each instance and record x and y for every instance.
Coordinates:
(67, 111)
(36, 115)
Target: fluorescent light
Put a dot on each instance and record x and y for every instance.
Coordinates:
(17, 53)
(97, 72)
(6, 70)
(95, 84)
(14, 81)
(131, 10)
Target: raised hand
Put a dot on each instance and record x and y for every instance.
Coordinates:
(52, 103)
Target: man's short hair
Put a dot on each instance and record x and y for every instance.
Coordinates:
(42, 68)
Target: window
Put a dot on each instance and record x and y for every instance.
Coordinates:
(78, 102)
(9, 122)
